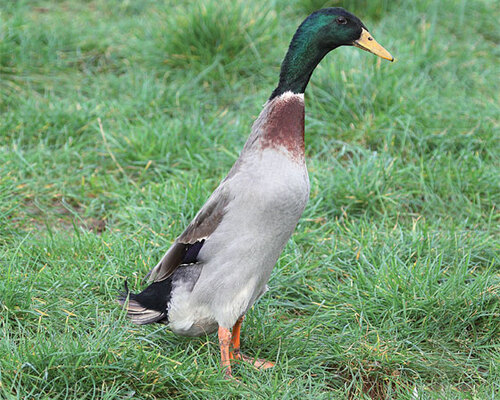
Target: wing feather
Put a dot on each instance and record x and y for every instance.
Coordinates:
(186, 247)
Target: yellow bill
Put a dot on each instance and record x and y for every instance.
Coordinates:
(368, 43)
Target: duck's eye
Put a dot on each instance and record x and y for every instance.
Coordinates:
(341, 20)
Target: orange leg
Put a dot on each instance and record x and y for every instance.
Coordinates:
(235, 340)
(224, 342)
(235, 353)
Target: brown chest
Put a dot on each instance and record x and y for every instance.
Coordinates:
(283, 128)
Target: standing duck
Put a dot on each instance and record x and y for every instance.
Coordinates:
(220, 265)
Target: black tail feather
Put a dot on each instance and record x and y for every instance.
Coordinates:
(122, 296)
(151, 305)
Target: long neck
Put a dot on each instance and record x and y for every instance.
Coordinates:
(302, 57)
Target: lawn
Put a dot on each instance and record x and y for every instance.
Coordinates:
(118, 119)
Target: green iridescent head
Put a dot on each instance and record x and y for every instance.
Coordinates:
(320, 33)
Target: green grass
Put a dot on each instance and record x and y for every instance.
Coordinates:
(389, 287)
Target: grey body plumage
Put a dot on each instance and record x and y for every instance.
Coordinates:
(244, 226)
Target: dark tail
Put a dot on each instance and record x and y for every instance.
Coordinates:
(151, 305)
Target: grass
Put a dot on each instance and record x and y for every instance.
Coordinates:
(389, 287)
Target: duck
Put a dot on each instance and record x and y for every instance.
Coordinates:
(216, 270)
